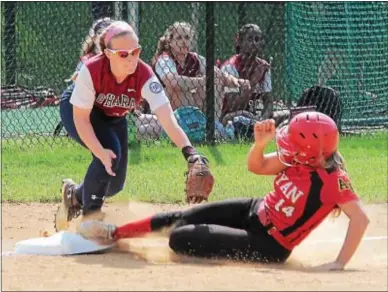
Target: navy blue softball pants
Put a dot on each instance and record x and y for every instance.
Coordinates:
(112, 134)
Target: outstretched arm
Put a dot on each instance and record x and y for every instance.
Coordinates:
(356, 229)
(169, 123)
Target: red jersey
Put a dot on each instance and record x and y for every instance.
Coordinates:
(113, 98)
(302, 199)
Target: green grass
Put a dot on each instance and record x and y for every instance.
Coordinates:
(155, 172)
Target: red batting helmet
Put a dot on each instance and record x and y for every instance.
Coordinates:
(309, 138)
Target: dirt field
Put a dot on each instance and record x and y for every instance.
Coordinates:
(135, 265)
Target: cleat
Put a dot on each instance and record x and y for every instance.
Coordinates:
(67, 210)
(98, 231)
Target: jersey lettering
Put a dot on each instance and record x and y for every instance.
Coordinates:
(110, 100)
(288, 211)
(290, 192)
(288, 188)
(343, 185)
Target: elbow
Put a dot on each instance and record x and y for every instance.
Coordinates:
(253, 167)
(365, 220)
(250, 167)
(362, 220)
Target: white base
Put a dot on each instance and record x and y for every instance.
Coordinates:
(61, 243)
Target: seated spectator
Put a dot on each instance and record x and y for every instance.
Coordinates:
(247, 64)
(182, 73)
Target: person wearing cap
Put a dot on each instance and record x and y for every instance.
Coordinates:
(108, 87)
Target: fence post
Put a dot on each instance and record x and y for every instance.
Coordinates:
(242, 14)
(210, 27)
(10, 42)
(131, 12)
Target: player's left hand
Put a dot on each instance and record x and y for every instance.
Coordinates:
(199, 179)
(333, 266)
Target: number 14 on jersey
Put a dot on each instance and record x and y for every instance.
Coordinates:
(287, 210)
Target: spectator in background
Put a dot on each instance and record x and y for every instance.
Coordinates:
(247, 64)
(182, 73)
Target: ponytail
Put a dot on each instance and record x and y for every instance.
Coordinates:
(163, 46)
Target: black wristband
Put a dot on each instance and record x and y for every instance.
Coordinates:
(187, 151)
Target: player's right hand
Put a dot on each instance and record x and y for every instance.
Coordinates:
(106, 157)
(264, 132)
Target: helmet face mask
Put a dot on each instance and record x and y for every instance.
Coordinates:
(309, 139)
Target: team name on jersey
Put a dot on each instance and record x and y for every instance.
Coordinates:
(288, 188)
(111, 100)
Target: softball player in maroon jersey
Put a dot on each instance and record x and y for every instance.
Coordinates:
(108, 87)
(310, 183)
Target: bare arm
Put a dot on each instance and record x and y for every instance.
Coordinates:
(169, 123)
(264, 164)
(85, 130)
(183, 82)
(259, 163)
(82, 98)
(356, 228)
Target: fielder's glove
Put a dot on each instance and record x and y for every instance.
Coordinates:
(199, 179)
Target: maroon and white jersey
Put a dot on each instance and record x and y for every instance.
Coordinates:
(195, 65)
(96, 86)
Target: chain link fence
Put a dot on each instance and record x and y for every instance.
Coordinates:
(223, 65)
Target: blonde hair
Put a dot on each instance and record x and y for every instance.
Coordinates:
(335, 161)
(164, 42)
(104, 45)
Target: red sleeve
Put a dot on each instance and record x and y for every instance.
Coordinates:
(338, 189)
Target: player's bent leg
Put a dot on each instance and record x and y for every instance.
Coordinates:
(97, 180)
(220, 242)
(117, 182)
(96, 185)
(235, 213)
